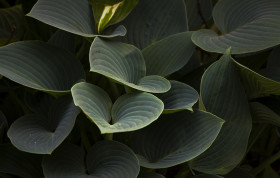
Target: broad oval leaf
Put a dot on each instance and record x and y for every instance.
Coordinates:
(129, 112)
(104, 159)
(175, 138)
(246, 26)
(40, 66)
(169, 54)
(19, 163)
(221, 89)
(125, 64)
(36, 133)
(180, 96)
(151, 21)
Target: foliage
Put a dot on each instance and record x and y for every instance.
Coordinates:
(139, 88)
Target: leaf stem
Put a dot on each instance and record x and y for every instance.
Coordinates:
(266, 163)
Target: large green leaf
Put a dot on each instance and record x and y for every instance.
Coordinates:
(41, 134)
(40, 66)
(129, 112)
(69, 15)
(151, 21)
(19, 163)
(169, 54)
(125, 64)
(198, 11)
(110, 12)
(222, 89)
(104, 159)
(246, 26)
(180, 96)
(175, 138)
(264, 114)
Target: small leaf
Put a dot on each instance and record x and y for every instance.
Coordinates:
(19, 163)
(175, 138)
(246, 26)
(169, 54)
(125, 64)
(36, 133)
(105, 159)
(40, 66)
(129, 112)
(180, 96)
(151, 21)
(222, 89)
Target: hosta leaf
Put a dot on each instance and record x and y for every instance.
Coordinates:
(110, 12)
(19, 163)
(221, 89)
(41, 134)
(150, 175)
(194, 8)
(104, 159)
(255, 84)
(175, 138)
(151, 21)
(40, 66)
(264, 114)
(129, 112)
(125, 64)
(169, 54)
(246, 26)
(180, 96)
(240, 173)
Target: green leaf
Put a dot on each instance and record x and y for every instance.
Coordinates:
(150, 175)
(69, 15)
(239, 173)
(222, 89)
(263, 114)
(151, 21)
(194, 10)
(129, 112)
(36, 133)
(110, 12)
(175, 138)
(269, 172)
(180, 96)
(104, 159)
(19, 163)
(40, 66)
(169, 54)
(125, 64)
(246, 26)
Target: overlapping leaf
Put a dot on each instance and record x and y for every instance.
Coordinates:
(19, 163)
(246, 26)
(125, 64)
(37, 133)
(129, 112)
(104, 159)
(222, 89)
(40, 66)
(69, 15)
(180, 96)
(175, 138)
(151, 21)
(169, 54)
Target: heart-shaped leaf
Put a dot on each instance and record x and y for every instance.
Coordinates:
(110, 12)
(36, 133)
(40, 66)
(246, 26)
(104, 159)
(129, 112)
(221, 89)
(175, 138)
(125, 64)
(169, 54)
(151, 21)
(19, 163)
(180, 96)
